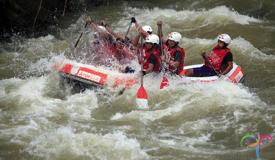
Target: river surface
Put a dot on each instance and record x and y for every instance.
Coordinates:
(195, 121)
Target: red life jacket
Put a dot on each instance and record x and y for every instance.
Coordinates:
(181, 65)
(147, 54)
(214, 60)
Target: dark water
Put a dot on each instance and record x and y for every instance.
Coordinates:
(192, 121)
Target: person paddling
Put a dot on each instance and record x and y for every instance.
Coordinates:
(218, 62)
(174, 56)
(107, 50)
(151, 57)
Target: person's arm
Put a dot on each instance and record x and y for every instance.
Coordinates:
(111, 31)
(135, 40)
(139, 28)
(95, 28)
(91, 23)
(141, 32)
(149, 69)
(228, 63)
(229, 66)
(203, 53)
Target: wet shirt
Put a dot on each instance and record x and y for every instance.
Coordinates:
(177, 56)
(227, 58)
(152, 59)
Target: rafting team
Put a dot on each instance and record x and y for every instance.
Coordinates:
(155, 53)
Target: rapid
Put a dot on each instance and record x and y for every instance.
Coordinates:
(197, 121)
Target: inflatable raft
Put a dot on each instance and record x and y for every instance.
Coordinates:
(99, 76)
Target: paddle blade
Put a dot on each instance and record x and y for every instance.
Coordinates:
(164, 82)
(142, 98)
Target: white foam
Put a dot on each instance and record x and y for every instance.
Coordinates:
(220, 15)
(201, 105)
(65, 143)
(29, 98)
(146, 116)
(246, 48)
(117, 116)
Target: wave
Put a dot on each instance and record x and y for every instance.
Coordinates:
(41, 97)
(193, 114)
(65, 143)
(183, 20)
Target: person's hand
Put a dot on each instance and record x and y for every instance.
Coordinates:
(141, 73)
(133, 20)
(203, 53)
(159, 23)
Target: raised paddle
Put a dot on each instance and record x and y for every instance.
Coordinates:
(76, 43)
(126, 34)
(164, 82)
(142, 96)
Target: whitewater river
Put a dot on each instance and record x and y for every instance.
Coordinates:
(197, 121)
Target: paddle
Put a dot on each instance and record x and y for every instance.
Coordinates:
(142, 96)
(164, 82)
(126, 34)
(80, 35)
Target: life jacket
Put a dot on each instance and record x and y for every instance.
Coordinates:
(181, 65)
(147, 54)
(214, 60)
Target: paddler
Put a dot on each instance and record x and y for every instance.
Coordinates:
(218, 62)
(151, 55)
(173, 57)
(102, 44)
(107, 48)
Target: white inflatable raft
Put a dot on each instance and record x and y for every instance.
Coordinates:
(99, 76)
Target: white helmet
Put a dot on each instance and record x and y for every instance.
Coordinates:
(152, 38)
(224, 38)
(102, 29)
(174, 36)
(147, 28)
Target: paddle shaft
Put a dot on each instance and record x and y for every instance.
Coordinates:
(164, 82)
(160, 42)
(142, 57)
(161, 50)
(80, 36)
(128, 29)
